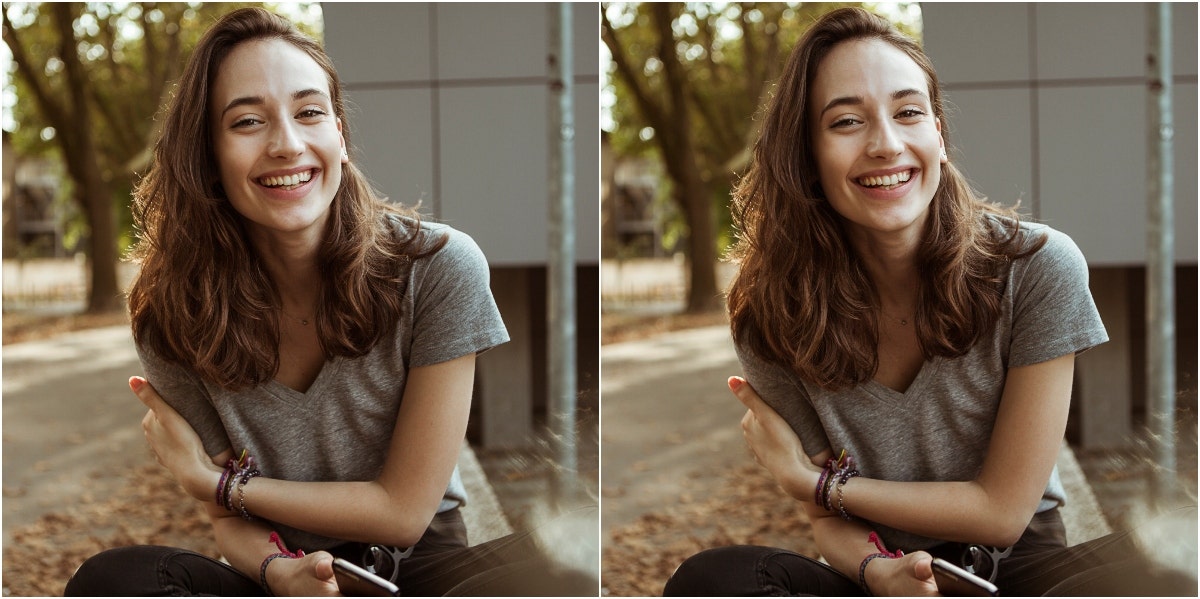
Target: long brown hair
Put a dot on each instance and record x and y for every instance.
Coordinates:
(203, 298)
(801, 297)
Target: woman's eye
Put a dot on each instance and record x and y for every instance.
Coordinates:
(910, 113)
(843, 122)
(310, 113)
(245, 122)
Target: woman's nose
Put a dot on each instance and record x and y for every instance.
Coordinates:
(285, 141)
(884, 141)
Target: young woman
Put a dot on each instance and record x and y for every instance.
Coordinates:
(309, 348)
(908, 347)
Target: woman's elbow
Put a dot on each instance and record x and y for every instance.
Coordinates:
(402, 531)
(401, 522)
(1007, 528)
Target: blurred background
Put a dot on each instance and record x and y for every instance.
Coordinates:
(1050, 106)
(452, 107)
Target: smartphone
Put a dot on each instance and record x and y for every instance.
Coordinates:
(953, 580)
(354, 581)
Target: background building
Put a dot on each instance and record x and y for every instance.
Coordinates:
(1049, 106)
(449, 107)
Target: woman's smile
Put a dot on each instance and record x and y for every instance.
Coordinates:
(878, 146)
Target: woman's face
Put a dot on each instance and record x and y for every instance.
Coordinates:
(878, 146)
(278, 143)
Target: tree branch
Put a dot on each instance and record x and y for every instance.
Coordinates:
(653, 113)
(50, 108)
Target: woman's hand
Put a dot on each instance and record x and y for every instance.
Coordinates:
(907, 576)
(775, 445)
(175, 444)
(308, 576)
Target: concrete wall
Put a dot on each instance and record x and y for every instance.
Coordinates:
(449, 106)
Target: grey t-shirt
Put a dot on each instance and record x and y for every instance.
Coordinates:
(340, 429)
(939, 428)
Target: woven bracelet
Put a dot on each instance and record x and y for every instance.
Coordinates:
(262, 571)
(862, 571)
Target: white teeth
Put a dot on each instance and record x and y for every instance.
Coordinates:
(286, 181)
(886, 181)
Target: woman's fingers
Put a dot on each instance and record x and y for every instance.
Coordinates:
(145, 392)
(745, 393)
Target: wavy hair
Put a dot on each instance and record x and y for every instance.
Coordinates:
(802, 298)
(203, 298)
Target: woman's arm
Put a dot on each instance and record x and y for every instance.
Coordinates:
(246, 544)
(993, 509)
(394, 509)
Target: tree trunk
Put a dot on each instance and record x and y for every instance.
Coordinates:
(82, 159)
(702, 252)
(104, 294)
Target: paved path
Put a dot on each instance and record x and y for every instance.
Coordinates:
(668, 423)
(71, 424)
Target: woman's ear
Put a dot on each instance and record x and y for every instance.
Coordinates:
(942, 142)
(342, 142)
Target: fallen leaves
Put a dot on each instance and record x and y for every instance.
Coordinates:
(150, 510)
(747, 508)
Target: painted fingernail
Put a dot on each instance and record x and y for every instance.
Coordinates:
(136, 383)
(735, 383)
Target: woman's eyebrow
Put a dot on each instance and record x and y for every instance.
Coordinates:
(258, 100)
(858, 100)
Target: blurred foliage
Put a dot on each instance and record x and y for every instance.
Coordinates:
(731, 53)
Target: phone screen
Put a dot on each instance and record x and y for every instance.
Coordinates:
(354, 581)
(953, 580)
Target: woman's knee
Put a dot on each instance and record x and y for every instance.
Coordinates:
(118, 571)
(716, 571)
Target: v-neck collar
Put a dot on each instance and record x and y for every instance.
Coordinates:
(328, 371)
(928, 369)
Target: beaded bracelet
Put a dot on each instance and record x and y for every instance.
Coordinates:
(835, 474)
(246, 476)
(237, 473)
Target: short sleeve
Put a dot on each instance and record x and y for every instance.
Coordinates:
(786, 395)
(1053, 310)
(183, 391)
(454, 313)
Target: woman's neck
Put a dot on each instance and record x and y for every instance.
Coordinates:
(292, 264)
(891, 263)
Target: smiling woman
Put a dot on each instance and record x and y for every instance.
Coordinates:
(908, 348)
(309, 348)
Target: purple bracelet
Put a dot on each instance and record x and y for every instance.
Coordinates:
(262, 571)
(221, 485)
(862, 571)
(821, 483)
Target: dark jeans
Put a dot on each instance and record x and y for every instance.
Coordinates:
(441, 564)
(1040, 564)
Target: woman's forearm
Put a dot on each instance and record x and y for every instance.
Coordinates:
(244, 544)
(352, 511)
(843, 543)
(952, 511)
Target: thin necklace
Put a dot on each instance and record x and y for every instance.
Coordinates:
(303, 321)
(903, 321)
